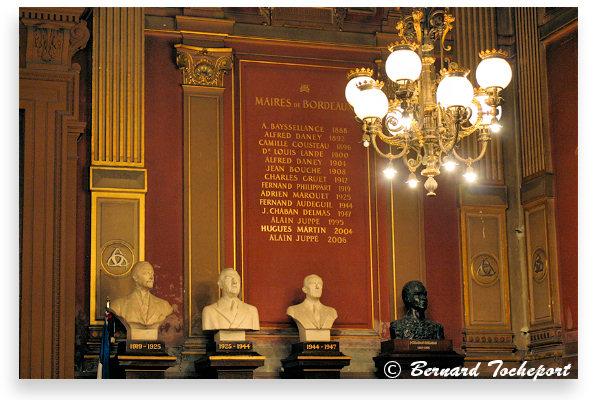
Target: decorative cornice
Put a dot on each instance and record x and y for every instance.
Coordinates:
(54, 35)
(203, 66)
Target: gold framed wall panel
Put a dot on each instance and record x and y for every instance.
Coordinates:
(541, 263)
(485, 270)
(203, 199)
(117, 236)
(374, 270)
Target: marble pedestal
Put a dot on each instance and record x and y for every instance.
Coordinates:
(229, 360)
(138, 359)
(436, 353)
(314, 360)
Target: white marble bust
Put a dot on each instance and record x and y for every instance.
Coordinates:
(140, 311)
(229, 315)
(314, 319)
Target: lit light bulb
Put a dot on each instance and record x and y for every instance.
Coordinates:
(470, 174)
(405, 120)
(495, 126)
(412, 180)
(389, 172)
(365, 140)
(450, 164)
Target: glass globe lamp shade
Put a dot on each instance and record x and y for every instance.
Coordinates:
(371, 102)
(403, 64)
(352, 89)
(486, 118)
(455, 90)
(493, 72)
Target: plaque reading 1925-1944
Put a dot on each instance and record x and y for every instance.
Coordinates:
(142, 355)
(416, 338)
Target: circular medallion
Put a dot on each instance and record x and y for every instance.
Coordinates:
(539, 268)
(117, 257)
(484, 269)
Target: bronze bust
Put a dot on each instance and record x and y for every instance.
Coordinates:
(414, 325)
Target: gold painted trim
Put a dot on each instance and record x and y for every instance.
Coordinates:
(369, 187)
(119, 168)
(165, 358)
(263, 39)
(233, 170)
(213, 93)
(378, 255)
(393, 250)
(224, 50)
(237, 357)
(324, 358)
(370, 215)
(141, 197)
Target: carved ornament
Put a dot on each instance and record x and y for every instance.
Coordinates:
(203, 67)
(53, 36)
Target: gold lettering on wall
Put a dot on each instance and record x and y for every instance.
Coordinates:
(305, 193)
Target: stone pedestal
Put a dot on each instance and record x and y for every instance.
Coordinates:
(137, 359)
(314, 360)
(404, 352)
(229, 360)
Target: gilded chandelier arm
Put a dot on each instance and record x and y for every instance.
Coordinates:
(470, 160)
(390, 156)
(414, 163)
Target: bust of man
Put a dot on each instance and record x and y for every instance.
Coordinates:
(314, 319)
(229, 313)
(142, 312)
(414, 325)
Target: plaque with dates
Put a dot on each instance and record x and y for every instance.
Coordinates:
(230, 347)
(415, 345)
(315, 360)
(142, 347)
(329, 347)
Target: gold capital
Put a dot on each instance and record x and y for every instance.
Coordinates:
(203, 66)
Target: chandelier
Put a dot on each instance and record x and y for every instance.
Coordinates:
(421, 116)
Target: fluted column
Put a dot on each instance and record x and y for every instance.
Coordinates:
(117, 175)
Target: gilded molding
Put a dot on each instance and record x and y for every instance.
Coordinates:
(202, 66)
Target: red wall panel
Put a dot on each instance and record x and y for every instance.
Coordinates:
(562, 88)
(442, 255)
(164, 162)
